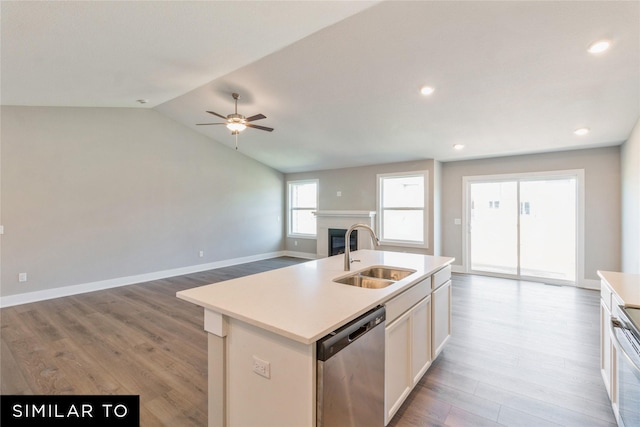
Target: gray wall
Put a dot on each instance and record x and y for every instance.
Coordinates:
(90, 194)
(358, 187)
(602, 199)
(630, 162)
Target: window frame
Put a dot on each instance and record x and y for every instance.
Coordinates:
(577, 174)
(291, 209)
(424, 244)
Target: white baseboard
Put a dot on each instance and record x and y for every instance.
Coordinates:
(64, 291)
(303, 255)
(590, 284)
(457, 268)
(584, 283)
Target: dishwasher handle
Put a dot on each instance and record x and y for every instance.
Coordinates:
(361, 330)
(339, 339)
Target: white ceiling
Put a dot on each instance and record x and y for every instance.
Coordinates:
(339, 81)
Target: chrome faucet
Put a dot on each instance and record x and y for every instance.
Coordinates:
(347, 243)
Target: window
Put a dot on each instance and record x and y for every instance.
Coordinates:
(402, 199)
(302, 202)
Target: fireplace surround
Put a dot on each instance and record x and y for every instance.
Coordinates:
(342, 220)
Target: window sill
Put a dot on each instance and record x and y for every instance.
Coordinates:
(405, 244)
(302, 236)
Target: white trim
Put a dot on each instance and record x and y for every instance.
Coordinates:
(303, 236)
(303, 255)
(579, 174)
(215, 323)
(290, 210)
(425, 209)
(590, 284)
(457, 268)
(342, 220)
(346, 214)
(64, 291)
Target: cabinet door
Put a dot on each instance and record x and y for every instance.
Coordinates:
(397, 365)
(605, 346)
(441, 318)
(421, 339)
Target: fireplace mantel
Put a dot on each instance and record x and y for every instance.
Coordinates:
(341, 219)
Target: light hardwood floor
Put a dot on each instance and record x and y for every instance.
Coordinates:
(521, 353)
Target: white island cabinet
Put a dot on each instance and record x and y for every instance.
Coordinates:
(441, 313)
(262, 332)
(415, 328)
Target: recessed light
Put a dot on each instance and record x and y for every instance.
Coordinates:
(599, 46)
(458, 146)
(581, 131)
(427, 90)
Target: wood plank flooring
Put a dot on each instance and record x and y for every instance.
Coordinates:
(522, 354)
(138, 339)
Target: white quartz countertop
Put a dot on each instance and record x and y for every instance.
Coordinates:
(301, 302)
(625, 285)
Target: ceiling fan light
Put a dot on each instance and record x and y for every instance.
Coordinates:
(236, 126)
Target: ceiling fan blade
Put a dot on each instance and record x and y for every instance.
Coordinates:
(260, 127)
(219, 115)
(204, 124)
(256, 117)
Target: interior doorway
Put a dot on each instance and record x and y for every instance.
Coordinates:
(524, 225)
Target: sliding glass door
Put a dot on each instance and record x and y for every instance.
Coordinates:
(523, 226)
(494, 227)
(548, 229)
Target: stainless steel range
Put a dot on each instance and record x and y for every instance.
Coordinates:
(625, 329)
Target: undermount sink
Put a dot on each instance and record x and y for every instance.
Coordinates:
(388, 273)
(375, 277)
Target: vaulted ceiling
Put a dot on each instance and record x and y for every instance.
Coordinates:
(340, 81)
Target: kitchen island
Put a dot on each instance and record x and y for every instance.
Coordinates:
(262, 331)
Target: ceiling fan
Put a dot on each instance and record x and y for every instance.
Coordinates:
(236, 123)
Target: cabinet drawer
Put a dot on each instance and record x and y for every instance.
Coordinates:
(440, 277)
(407, 299)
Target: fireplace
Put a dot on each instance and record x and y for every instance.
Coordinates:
(336, 240)
(342, 220)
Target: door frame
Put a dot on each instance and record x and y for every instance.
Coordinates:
(578, 174)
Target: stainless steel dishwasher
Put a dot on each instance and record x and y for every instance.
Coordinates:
(350, 361)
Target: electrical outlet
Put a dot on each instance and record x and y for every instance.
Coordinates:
(201, 254)
(261, 367)
(22, 277)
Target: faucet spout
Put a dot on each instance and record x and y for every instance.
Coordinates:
(347, 243)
